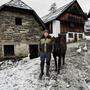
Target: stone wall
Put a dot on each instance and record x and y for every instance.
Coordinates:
(22, 47)
(29, 32)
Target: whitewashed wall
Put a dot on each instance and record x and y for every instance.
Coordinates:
(56, 27)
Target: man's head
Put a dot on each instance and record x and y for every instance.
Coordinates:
(46, 33)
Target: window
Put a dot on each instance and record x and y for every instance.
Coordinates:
(71, 25)
(70, 35)
(8, 50)
(18, 21)
(80, 36)
(87, 30)
(33, 50)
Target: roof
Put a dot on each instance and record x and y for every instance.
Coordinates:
(53, 15)
(18, 4)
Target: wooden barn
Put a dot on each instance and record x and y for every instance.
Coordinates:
(20, 30)
(68, 19)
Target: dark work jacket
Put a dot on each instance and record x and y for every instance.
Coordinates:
(45, 44)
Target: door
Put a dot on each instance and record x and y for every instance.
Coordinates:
(33, 49)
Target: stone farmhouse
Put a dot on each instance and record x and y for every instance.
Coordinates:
(20, 30)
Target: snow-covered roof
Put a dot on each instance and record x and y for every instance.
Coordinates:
(18, 4)
(53, 15)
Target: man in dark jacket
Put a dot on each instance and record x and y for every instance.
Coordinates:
(45, 48)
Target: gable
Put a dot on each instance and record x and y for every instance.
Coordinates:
(75, 9)
(21, 7)
(27, 29)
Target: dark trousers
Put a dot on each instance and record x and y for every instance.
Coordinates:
(45, 56)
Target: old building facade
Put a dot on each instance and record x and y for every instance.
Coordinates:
(68, 19)
(20, 30)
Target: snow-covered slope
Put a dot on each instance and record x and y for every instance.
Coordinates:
(23, 75)
(87, 37)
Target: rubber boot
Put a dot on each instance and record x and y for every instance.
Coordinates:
(42, 69)
(40, 76)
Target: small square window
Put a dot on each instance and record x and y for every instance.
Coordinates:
(18, 21)
(70, 35)
(71, 25)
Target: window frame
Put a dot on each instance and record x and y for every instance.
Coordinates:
(70, 35)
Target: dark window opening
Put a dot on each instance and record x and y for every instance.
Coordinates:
(72, 25)
(87, 30)
(51, 31)
(18, 21)
(33, 50)
(75, 38)
(80, 36)
(70, 35)
(8, 50)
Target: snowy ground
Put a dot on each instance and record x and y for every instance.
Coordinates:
(87, 37)
(23, 75)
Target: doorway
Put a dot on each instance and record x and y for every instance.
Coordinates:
(33, 50)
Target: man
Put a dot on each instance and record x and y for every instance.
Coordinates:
(45, 48)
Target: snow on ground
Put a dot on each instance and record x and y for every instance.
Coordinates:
(23, 75)
(87, 37)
